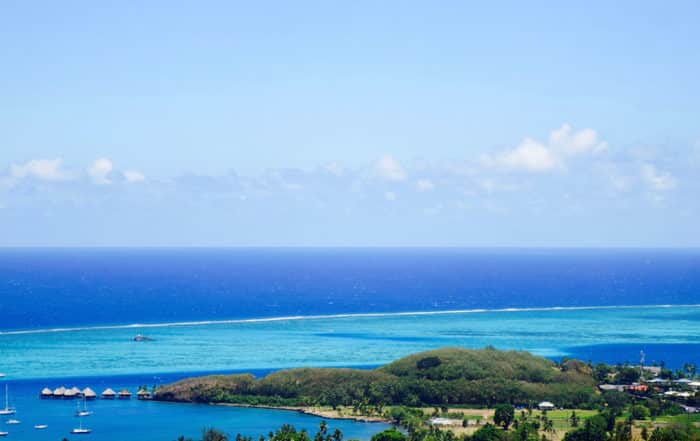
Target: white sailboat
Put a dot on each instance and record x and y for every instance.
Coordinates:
(84, 411)
(41, 426)
(7, 410)
(80, 430)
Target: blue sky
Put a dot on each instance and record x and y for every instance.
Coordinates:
(357, 123)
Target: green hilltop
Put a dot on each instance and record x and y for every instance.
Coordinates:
(448, 376)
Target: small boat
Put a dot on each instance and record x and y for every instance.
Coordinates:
(2, 375)
(12, 422)
(41, 426)
(7, 410)
(84, 411)
(80, 430)
(4, 433)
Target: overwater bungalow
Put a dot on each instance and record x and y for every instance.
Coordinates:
(124, 394)
(71, 393)
(109, 394)
(143, 394)
(59, 392)
(46, 393)
(89, 394)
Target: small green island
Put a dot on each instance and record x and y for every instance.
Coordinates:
(464, 394)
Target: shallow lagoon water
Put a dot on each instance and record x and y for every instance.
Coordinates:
(663, 332)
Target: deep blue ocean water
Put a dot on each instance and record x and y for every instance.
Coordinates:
(67, 287)
(336, 307)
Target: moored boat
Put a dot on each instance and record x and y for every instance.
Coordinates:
(80, 430)
(7, 410)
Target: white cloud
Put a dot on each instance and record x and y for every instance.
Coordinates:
(133, 176)
(567, 142)
(100, 171)
(425, 185)
(657, 180)
(530, 155)
(42, 169)
(390, 169)
(535, 156)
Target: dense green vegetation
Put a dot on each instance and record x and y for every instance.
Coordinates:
(285, 433)
(442, 377)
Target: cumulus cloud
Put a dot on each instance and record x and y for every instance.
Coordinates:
(100, 171)
(565, 141)
(425, 185)
(536, 156)
(660, 181)
(530, 155)
(132, 176)
(41, 169)
(388, 168)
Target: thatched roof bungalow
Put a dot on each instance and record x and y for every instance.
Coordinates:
(71, 393)
(59, 392)
(124, 394)
(143, 394)
(46, 393)
(109, 394)
(89, 394)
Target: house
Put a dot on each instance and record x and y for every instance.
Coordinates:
(546, 405)
(617, 387)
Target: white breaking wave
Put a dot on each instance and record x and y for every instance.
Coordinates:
(337, 316)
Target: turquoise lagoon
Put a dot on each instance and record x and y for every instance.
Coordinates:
(668, 333)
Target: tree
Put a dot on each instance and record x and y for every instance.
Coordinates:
(487, 433)
(214, 435)
(639, 412)
(389, 435)
(504, 415)
(574, 419)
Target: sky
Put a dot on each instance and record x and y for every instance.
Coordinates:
(361, 123)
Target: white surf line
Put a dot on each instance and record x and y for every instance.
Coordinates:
(340, 316)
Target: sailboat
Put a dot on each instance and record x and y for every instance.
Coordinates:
(41, 426)
(84, 411)
(80, 430)
(7, 410)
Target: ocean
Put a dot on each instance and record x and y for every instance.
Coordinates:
(68, 317)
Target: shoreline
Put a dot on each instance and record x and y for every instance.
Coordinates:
(326, 414)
